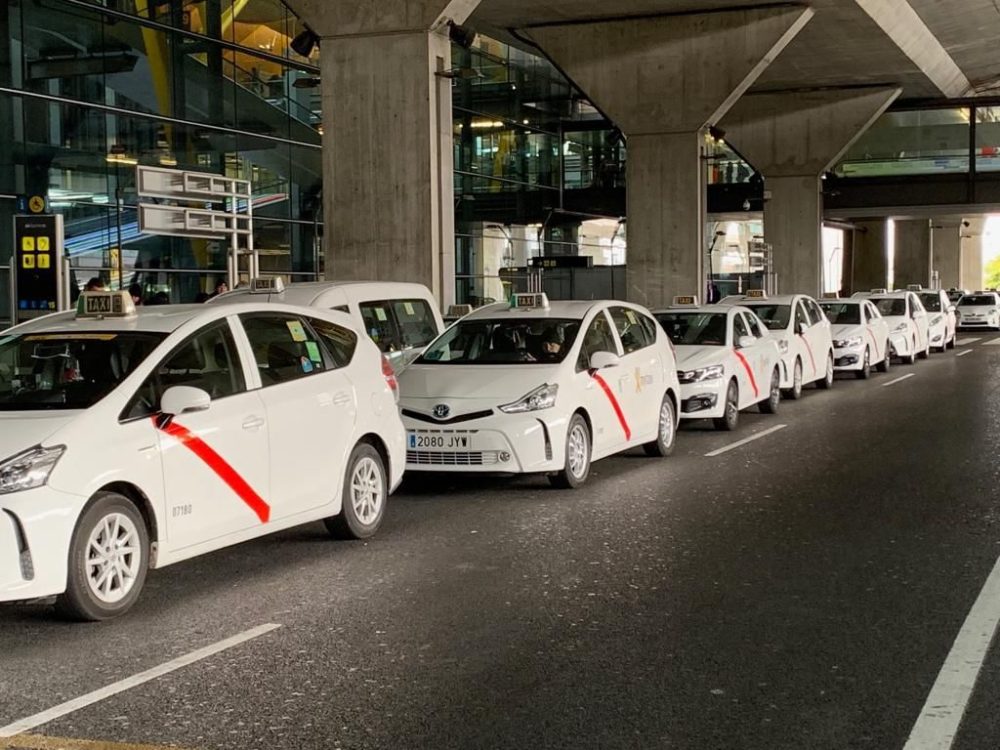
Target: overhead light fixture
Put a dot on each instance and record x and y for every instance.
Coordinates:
(463, 36)
(118, 155)
(304, 42)
(306, 82)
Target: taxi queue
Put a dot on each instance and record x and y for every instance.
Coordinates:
(134, 438)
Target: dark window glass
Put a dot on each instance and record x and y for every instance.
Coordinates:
(599, 338)
(842, 313)
(775, 317)
(284, 347)
(503, 342)
(891, 306)
(694, 328)
(415, 322)
(634, 336)
(380, 325)
(340, 342)
(740, 327)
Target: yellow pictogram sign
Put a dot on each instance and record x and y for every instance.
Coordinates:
(36, 204)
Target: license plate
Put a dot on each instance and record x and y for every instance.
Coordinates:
(437, 441)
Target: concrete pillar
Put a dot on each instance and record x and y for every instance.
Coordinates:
(870, 267)
(972, 253)
(662, 80)
(946, 251)
(792, 139)
(388, 192)
(912, 253)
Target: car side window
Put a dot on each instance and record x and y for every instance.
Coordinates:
(415, 322)
(340, 342)
(208, 360)
(634, 336)
(801, 317)
(740, 327)
(380, 325)
(651, 326)
(756, 327)
(873, 313)
(284, 347)
(598, 338)
(814, 312)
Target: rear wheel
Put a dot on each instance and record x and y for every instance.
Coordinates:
(770, 406)
(951, 343)
(666, 435)
(730, 420)
(866, 366)
(577, 456)
(827, 382)
(108, 559)
(886, 362)
(364, 498)
(795, 392)
(911, 358)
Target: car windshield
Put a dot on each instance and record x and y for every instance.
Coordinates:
(842, 313)
(67, 370)
(775, 317)
(932, 302)
(694, 328)
(891, 306)
(977, 300)
(503, 342)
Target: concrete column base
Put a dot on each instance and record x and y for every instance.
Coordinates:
(793, 225)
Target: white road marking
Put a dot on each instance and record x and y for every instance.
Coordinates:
(938, 722)
(51, 714)
(962, 354)
(992, 342)
(966, 342)
(897, 380)
(744, 441)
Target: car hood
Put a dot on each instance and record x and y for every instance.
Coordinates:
(471, 385)
(894, 320)
(695, 357)
(22, 430)
(846, 331)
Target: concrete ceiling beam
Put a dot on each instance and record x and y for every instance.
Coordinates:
(331, 19)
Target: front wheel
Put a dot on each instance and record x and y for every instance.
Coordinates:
(827, 382)
(926, 352)
(886, 362)
(730, 420)
(795, 392)
(666, 434)
(108, 559)
(911, 358)
(770, 406)
(577, 467)
(365, 496)
(866, 366)
(951, 342)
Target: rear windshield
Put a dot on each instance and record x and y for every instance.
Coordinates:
(694, 328)
(892, 306)
(503, 342)
(775, 317)
(932, 302)
(977, 300)
(842, 313)
(67, 370)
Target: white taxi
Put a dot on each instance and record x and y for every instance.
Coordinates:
(909, 334)
(803, 334)
(942, 322)
(727, 360)
(533, 386)
(979, 310)
(860, 336)
(135, 439)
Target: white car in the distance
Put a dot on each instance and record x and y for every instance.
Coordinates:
(860, 336)
(134, 439)
(909, 334)
(539, 387)
(942, 320)
(979, 310)
(727, 361)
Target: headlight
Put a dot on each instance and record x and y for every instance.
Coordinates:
(901, 328)
(30, 469)
(705, 373)
(936, 320)
(540, 398)
(850, 343)
(783, 346)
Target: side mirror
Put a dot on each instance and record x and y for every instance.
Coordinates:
(183, 399)
(801, 328)
(603, 360)
(745, 341)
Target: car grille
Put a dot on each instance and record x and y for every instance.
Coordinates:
(454, 420)
(452, 458)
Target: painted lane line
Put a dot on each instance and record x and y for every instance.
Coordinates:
(897, 380)
(992, 342)
(70, 706)
(962, 354)
(744, 441)
(41, 742)
(966, 342)
(938, 722)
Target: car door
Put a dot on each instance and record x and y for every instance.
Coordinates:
(215, 462)
(920, 320)
(601, 398)
(311, 407)
(750, 374)
(878, 329)
(803, 345)
(820, 340)
(641, 381)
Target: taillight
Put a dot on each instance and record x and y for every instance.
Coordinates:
(390, 377)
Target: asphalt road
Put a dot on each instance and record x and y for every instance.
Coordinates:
(800, 592)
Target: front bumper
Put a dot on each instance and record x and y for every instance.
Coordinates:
(848, 359)
(35, 531)
(901, 343)
(500, 444)
(704, 400)
(979, 323)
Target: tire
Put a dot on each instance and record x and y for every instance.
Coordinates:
(926, 353)
(886, 364)
(364, 498)
(578, 452)
(731, 419)
(773, 401)
(827, 382)
(911, 359)
(100, 590)
(866, 366)
(666, 430)
(795, 392)
(951, 343)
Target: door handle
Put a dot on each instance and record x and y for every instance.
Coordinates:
(253, 423)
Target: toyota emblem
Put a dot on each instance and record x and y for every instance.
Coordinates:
(441, 411)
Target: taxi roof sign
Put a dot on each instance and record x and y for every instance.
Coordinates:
(831, 295)
(915, 288)
(267, 286)
(756, 294)
(529, 301)
(879, 291)
(688, 300)
(100, 305)
(458, 311)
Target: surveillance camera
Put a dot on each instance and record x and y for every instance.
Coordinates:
(746, 205)
(965, 224)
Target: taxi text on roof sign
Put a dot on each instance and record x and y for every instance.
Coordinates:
(105, 305)
(686, 301)
(756, 294)
(266, 286)
(530, 301)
